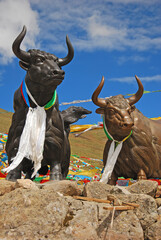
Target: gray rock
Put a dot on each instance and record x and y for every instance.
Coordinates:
(144, 187)
(26, 184)
(30, 214)
(101, 190)
(154, 231)
(124, 190)
(6, 187)
(83, 220)
(128, 224)
(119, 190)
(158, 201)
(147, 210)
(159, 210)
(158, 193)
(91, 221)
(64, 187)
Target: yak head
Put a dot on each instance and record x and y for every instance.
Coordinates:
(117, 111)
(42, 68)
(72, 115)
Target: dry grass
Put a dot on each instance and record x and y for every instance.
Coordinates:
(89, 144)
(5, 120)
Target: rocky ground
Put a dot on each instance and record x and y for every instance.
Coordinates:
(54, 211)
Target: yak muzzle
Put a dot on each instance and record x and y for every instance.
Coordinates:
(127, 125)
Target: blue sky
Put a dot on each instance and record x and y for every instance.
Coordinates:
(117, 39)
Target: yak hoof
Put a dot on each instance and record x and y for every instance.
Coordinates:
(112, 181)
(13, 175)
(141, 175)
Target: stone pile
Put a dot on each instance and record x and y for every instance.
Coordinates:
(51, 211)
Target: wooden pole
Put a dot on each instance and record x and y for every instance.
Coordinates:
(131, 204)
(91, 199)
(120, 208)
(127, 206)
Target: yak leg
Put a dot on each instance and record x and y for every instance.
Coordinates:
(55, 171)
(141, 175)
(113, 179)
(14, 174)
(65, 159)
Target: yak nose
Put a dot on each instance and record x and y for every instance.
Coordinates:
(58, 72)
(127, 123)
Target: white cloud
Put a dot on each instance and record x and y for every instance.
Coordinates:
(133, 58)
(96, 28)
(152, 78)
(156, 78)
(13, 15)
(91, 25)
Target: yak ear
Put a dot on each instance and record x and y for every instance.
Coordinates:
(24, 65)
(100, 110)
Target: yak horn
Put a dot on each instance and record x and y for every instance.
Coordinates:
(22, 55)
(98, 101)
(69, 57)
(135, 98)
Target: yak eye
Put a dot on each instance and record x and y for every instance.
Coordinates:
(111, 112)
(39, 60)
(131, 109)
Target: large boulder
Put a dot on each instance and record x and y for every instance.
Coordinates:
(64, 187)
(101, 190)
(31, 214)
(147, 210)
(122, 225)
(144, 187)
(97, 190)
(89, 220)
(6, 187)
(126, 223)
(26, 184)
(153, 232)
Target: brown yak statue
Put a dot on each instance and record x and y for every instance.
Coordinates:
(139, 157)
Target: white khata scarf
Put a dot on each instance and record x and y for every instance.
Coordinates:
(113, 154)
(32, 138)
